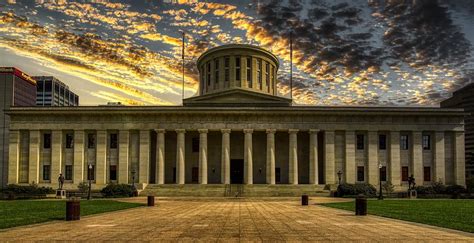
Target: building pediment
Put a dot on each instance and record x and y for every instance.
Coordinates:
(237, 97)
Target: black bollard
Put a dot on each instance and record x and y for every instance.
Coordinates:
(151, 201)
(361, 205)
(73, 209)
(304, 200)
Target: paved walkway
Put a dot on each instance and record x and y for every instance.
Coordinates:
(233, 220)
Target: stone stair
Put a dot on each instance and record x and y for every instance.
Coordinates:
(233, 190)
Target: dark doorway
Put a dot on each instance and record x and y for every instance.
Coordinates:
(237, 171)
(195, 175)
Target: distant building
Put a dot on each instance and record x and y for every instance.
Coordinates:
(17, 89)
(464, 98)
(52, 92)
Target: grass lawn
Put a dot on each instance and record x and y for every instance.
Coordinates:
(23, 212)
(453, 214)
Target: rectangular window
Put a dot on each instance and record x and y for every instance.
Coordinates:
(91, 140)
(383, 173)
(68, 174)
(69, 140)
(47, 140)
(360, 173)
(195, 175)
(426, 142)
(237, 69)
(267, 76)
(249, 72)
(46, 172)
(195, 145)
(113, 140)
(216, 70)
(360, 142)
(39, 86)
(382, 142)
(203, 81)
(208, 74)
(404, 142)
(226, 69)
(404, 173)
(91, 172)
(174, 174)
(259, 73)
(48, 87)
(113, 172)
(427, 173)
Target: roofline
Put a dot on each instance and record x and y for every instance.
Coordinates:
(232, 46)
(359, 110)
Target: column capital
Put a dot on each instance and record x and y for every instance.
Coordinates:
(293, 130)
(270, 130)
(203, 130)
(248, 130)
(180, 130)
(226, 130)
(314, 130)
(160, 130)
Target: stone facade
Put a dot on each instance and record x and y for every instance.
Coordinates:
(236, 135)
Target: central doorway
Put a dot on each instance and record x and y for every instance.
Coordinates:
(236, 171)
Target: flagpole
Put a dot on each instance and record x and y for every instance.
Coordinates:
(182, 57)
(291, 65)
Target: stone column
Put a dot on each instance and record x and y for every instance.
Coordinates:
(293, 157)
(459, 159)
(78, 174)
(350, 162)
(248, 154)
(225, 156)
(373, 159)
(202, 156)
(330, 164)
(270, 176)
(313, 157)
(14, 157)
(160, 156)
(395, 169)
(439, 158)
(123, 159)
(34, 156)
(56, 156)
(144, 167)
(101, 158)
(417, 158)
(180, 153)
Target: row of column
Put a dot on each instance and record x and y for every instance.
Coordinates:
(225, 156)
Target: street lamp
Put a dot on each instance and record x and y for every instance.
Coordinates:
(380, 181)
(339, 174)
(89, 169)
(133, 183)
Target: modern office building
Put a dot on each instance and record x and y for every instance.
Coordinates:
(53, 92)
(464, 98)
(16, 89)
(236, 130)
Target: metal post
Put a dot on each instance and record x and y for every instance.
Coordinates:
(90, 181)
(380, 182)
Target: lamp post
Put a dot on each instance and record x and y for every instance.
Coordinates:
(339, 175)
(380, 182)
(133, 183)
(89, 169)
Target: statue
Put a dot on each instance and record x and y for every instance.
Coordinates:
(61, 181)
(411, 182)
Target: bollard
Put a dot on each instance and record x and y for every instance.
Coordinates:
(73, 209)
(361, 205)
(151, 201)
(304, 200)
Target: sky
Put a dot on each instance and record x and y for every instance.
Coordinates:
(346, 52)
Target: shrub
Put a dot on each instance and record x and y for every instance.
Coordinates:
(425, 190)
(83, 187)
(117, 190)
(346, 189)
(470, 185)
(439, 187)
(32, 189)
(388, 187)
(455, 189)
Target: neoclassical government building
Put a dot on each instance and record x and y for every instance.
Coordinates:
(237, 130)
